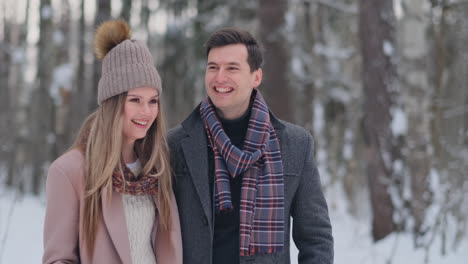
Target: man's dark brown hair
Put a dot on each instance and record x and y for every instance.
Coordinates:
(228, 36)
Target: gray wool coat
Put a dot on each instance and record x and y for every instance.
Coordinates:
(304, 200)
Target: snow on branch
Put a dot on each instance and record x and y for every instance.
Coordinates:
(350, 9)
(458, 2)
(456, 111)
(448, 3)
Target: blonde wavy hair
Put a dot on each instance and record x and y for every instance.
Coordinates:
(100, 140)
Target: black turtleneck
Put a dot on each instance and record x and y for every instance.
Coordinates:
(226, 224)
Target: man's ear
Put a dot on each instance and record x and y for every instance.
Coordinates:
(258, 74)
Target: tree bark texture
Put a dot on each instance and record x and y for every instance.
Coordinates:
(275, 85)
(103, 13)
(376, 29)
(42, 134)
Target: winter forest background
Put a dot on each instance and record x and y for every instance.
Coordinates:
(380, 84)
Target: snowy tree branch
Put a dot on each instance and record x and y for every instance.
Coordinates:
(456, 111)
(350, 9)
(459, 2)
(448, 3)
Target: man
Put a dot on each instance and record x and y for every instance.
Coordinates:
(241, 174)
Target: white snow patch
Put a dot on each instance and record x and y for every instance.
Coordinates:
(46, 12)
(399, 123)
(298, 67)
(398, 9)
(58, 37)
(340, 94)
(18, 56)
(62, 77)
(318, 118)
(387, 160)
(158, 22)
(290, 19)
(24, 218)
(347, 151)
(333, 52)
(50, 138)
(348, 145)
(388, 48)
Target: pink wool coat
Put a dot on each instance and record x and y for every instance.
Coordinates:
(63, 239)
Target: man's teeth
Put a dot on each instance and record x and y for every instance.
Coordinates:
(223, 90)
(143, 123)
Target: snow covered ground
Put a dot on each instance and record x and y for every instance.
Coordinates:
(21, 221)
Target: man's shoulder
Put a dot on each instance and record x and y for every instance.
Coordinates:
(291, 130)
(175, 132)
(175, 136)
(182, 130)
(295, 140)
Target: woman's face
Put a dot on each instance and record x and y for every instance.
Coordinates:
(140, 110)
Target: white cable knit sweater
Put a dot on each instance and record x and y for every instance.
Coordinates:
(139, 215)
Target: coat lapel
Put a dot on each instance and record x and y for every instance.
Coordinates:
(195, 148)
(283, 140)
(114, 219)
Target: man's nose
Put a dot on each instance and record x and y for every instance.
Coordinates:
(220, 75)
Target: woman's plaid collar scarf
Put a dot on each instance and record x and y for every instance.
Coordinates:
(129, 184)
(262, 192)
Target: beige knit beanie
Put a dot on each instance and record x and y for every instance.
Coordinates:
(126, 63)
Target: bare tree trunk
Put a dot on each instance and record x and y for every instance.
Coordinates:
(178, 93)
(145, 14)
(309, 86)
(63, 88)
(126, 10)
(16, 144)
(42, 107)
(243, 16)
(5, 53)
(376, 27)
(181, 94)
(79, 95)
(417, 90)
(103, 13)
(329, 92)
(275, 85)
(5, 97)
(450, 112)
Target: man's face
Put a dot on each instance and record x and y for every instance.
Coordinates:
(228, 80)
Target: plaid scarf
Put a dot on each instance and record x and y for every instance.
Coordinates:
(129, 184)
(262, 191)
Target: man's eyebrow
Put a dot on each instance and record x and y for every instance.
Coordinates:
(229, 63)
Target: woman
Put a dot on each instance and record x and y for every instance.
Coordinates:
(109, 198)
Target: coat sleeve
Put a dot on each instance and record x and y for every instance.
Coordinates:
(61, 224)
(312, 231)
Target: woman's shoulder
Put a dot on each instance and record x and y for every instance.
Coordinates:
(70, 159)
(70, 165)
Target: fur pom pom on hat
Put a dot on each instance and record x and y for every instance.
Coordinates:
(126, 63)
